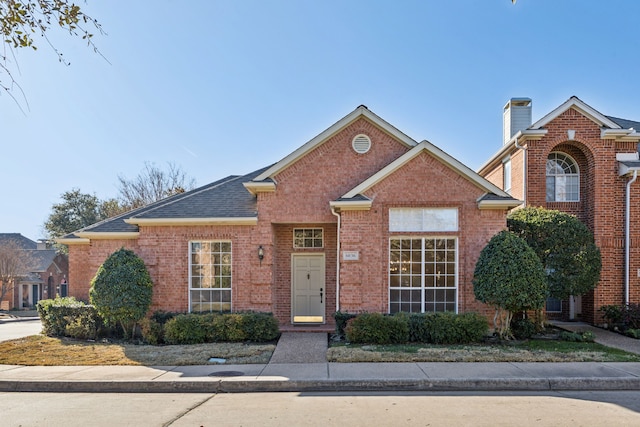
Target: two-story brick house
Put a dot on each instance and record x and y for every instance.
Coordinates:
(578, 160)
(360, 218)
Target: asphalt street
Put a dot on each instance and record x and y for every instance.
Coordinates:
(586, 408)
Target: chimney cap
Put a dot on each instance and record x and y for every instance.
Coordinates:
(520, 102)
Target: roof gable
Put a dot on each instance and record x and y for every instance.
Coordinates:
(361, 111)
(354, 199)
(426, 146)
(584, 109)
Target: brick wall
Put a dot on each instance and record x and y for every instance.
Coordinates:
(602, 201)
(423, 182)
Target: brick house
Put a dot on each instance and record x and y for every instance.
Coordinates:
(360, 218)
(577, 160)
(43, 273)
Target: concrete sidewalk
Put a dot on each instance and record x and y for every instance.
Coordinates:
(299, 364)
(323, 377)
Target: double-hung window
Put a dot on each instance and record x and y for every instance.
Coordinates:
(209, 276)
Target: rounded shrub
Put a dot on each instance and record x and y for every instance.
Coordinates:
(121, 290)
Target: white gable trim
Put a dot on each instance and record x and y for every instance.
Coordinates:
(582, 108)
(361, 111)
(440, 156)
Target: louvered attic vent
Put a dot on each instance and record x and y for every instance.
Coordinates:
(361, 143)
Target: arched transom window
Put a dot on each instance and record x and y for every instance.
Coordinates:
(563, 178)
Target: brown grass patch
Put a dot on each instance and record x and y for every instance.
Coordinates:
(38, 350)
(472, 353)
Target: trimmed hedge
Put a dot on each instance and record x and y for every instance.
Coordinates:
(195, 328)
(433, 328)
(68, 317)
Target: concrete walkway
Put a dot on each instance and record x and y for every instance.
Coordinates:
(301, 347)
(299, 364)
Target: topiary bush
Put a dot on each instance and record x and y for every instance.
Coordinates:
(122, 289)
(509, 276)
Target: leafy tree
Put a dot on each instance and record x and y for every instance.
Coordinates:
(153, 184)
(77, 210)
(13, 264)
(509, 277)
(565, 247)
(122, 289)
(22, 20)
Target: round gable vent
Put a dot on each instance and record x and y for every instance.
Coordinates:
(361, 143)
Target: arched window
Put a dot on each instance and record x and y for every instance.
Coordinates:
(563, 178)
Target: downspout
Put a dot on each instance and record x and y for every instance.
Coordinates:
(337, 215)
(627, 233)
(524, 172)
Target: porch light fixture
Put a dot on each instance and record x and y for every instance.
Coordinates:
(260, 254)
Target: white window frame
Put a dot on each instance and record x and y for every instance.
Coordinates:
(313, 238)
(506, 175)
(211, 289)
(559, 177)
(424, 275)
(428, 220)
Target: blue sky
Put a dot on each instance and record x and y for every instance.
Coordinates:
(227, 87)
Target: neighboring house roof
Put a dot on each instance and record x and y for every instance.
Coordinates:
(225, 199)
(18, 239)
(36, 260)
(39, 261)
(361, 111)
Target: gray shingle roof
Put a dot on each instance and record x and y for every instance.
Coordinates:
(225, 198)
(18, 239)
(626, 124)
(39, 260)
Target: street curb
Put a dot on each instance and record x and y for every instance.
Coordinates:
(252, 386)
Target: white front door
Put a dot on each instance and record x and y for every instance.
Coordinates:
(308, 288)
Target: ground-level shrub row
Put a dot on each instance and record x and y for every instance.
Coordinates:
(433, 328)
(71, 318)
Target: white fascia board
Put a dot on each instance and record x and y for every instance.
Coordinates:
(102, 235)
(620, 134)
(498, 204)
(581, 107)
(157, 222)
(260, 187)
(361, 111)
(64, 241)
(351, 205)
